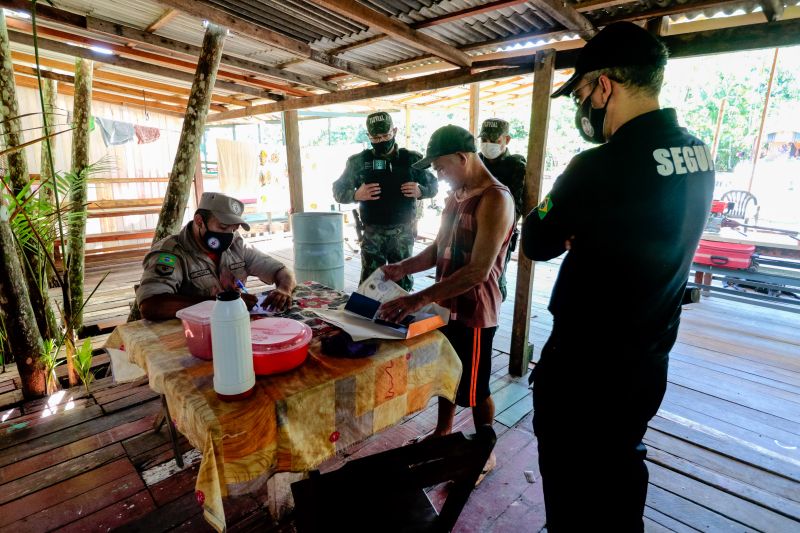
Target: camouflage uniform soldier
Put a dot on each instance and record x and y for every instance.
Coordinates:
(387, 188)
(509, 169)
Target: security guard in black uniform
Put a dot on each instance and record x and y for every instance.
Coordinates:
(638, 202)
(387, 188)
(509, 169)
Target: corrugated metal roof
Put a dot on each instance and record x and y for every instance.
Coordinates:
(296, 18)
(324, 30)
(138, 13)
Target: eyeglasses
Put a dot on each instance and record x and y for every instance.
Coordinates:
(575, 94)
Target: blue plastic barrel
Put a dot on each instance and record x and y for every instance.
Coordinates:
(319, 248)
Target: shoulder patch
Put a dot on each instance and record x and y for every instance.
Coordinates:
(167, 259)
(164, 270)
(544, 207)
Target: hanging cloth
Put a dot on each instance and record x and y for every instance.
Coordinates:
(115, 132)
(146, 134)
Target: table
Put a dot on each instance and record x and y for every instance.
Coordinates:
(294, 421)
(778, 269)
(770, 244)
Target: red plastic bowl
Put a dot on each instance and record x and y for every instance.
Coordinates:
(279, 345)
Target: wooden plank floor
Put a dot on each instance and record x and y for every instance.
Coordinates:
(723, 448)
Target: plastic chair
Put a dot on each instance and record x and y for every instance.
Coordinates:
(385, 492)
(738, 205)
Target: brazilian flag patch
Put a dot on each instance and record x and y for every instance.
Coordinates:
(166, 260)
(544, 207)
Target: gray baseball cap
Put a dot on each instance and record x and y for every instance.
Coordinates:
(227, 210)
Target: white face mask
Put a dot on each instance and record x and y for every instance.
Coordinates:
(491, 150)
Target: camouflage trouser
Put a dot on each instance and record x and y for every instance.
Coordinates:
(387, 244)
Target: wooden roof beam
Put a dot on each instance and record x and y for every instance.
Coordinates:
(435, 81)
(134, 36)
(436, 21)
(272, 38)
(567, 16)
(772, 9)
(138, 36)
(146, 97)
(101, 96)
(165, 17)
(780, 33)
(188, 66)
(397, 30)
(122, 79)
(124, 62)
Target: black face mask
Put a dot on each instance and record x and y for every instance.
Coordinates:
(216, 241)
(383, 147)
(589, 121)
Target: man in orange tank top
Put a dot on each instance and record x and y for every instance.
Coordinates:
(469, 254)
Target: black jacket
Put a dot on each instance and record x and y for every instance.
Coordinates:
(509, 169)
(634, 209)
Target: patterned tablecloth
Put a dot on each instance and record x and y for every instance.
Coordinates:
(296, 420)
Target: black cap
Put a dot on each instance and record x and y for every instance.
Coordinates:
(379, 123)
(446, 140)
(493, 128)
(622, 44)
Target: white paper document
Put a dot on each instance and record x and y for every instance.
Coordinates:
(259, 310)
(377, 287)
(358, 327)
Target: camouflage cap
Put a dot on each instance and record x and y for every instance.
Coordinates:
(379, 123)
(227, 210)
(493, 128)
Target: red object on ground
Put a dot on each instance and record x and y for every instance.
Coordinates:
(197, 328)
(718, 206)
(725, 254)
(279, 344)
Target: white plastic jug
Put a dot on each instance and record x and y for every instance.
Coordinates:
(234, 377)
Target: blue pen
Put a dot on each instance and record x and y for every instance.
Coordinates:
(241, 286)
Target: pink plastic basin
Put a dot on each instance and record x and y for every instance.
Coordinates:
(197, 328)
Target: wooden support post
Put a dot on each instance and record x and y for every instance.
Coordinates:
(291, 135)
(18, 317)
(474, 107)
(521, 349)
(187, 159)
(20, 323)
(12, 134)
(49, 94)
(183, 170)
(34, 268)
(76, 237)
(717, 130)
(199, 187)
(407, 109)
(757, 147)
